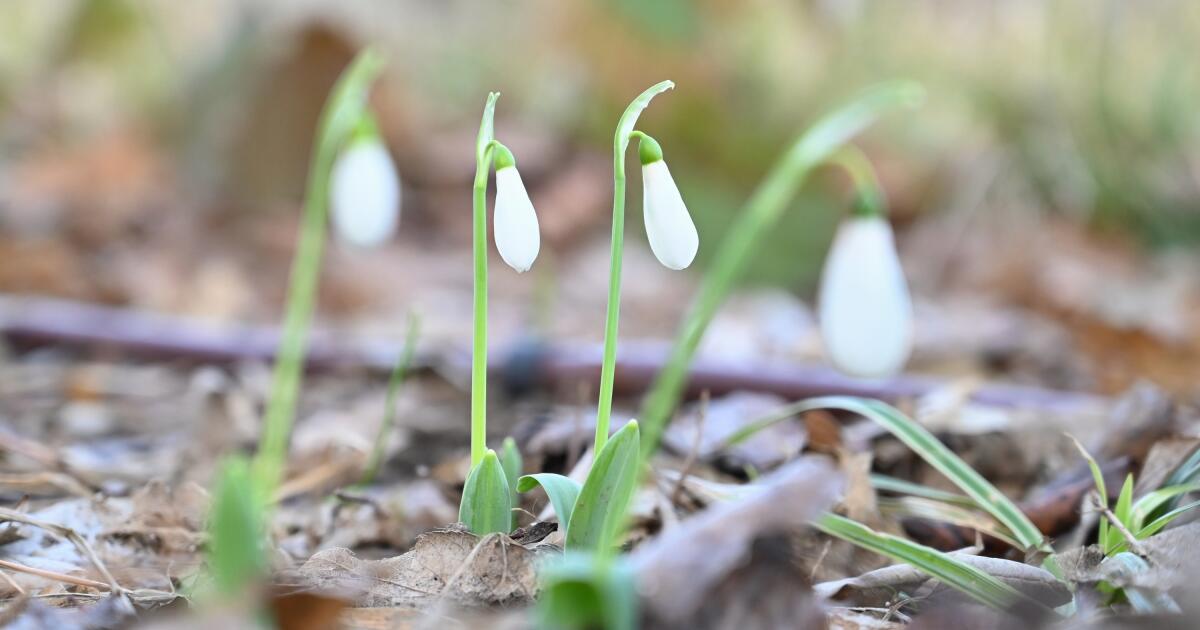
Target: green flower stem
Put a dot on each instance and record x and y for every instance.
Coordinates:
(343, 111)
(483, 163)
(869, 200)
(625, 131)
(758, 217)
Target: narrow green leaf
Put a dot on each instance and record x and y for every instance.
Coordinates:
(235, 555)
(885, 483)
(399, 374)
(599, 512)
(970, 580)
(1157, 524)
(1152, 501)
(563, 492)
(486, 505)
(1101, 489)
(1121, 511)
(510, 460)
(920, 507)
(929, 448)
(1186, 473)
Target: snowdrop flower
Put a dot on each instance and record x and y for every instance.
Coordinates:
(865, 309)
(669, 227)
(515, 223)
(365, 192)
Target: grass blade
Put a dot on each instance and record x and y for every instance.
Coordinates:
(929, 448)
(884, 483)
(563, 493)
(599, 512)
(1121, 511)
(1101, 489)
(1152, 501)
(486, 506)
(1157, 524)
(975, 583)
(399, 374)
(920, 507)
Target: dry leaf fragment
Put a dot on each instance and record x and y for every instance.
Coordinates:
(683, 567)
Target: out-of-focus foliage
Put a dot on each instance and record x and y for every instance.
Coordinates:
(1076, 107)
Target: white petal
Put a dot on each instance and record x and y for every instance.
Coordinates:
(669, 227)
(865, 309)
(515, 223)
(365, 194)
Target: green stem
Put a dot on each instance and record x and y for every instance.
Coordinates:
(343, 110)
(608, 368)
(483, 163)
(869, 200)
(399, 373)
(758, 217)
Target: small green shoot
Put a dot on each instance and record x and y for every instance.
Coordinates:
(513, 464)
(487, 504)
(1139, 519)
(593, 514)
(599, 512)
(235, 554)
(582, 590)
(399, 374)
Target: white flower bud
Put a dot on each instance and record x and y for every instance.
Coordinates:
(365, 194)
(865, 309)
(515, 223)
(669, 227)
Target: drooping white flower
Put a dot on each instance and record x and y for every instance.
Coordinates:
(365, 194)
(865, 310)
(515, 225)
(669, 227)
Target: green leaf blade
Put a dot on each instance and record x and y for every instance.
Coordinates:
(929, 448)
(599, 512)
(563, 492)
(236, 556)
(513, 464)
(970, 580)
(486, 505)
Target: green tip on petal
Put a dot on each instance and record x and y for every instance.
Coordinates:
(503, 158)
(648, 149)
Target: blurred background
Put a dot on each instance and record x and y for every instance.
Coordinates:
(1047, 195)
